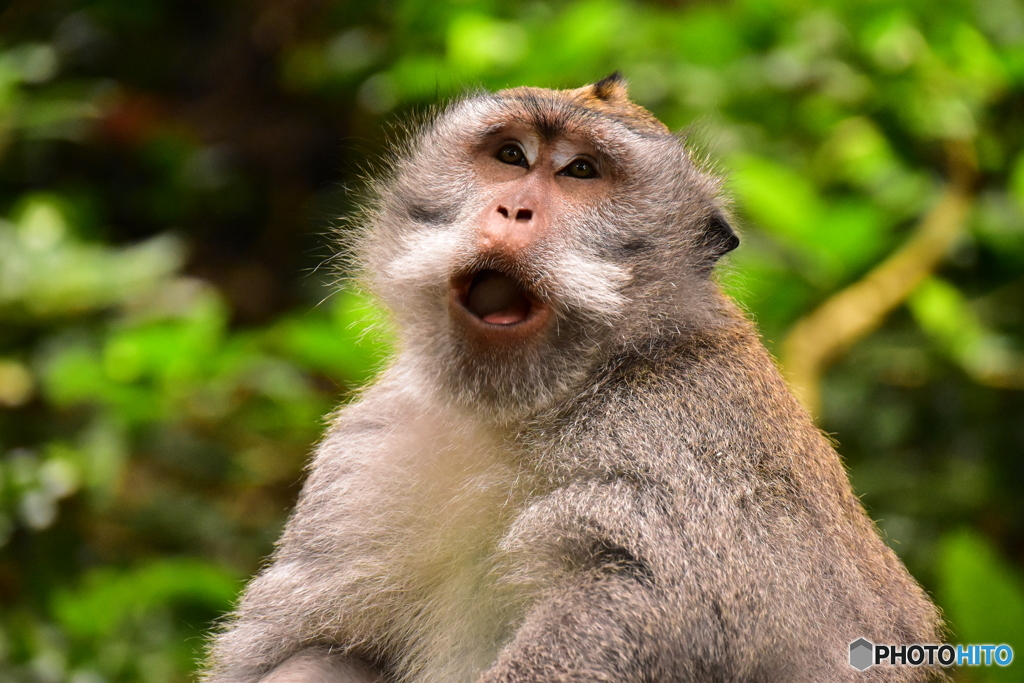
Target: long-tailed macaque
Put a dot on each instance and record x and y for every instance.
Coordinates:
(581, 464)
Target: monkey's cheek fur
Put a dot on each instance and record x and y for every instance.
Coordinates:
(496, 309)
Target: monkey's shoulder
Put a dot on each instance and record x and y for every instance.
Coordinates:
(709, 414)
(699, 390)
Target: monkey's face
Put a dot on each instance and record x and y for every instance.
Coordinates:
(510, 294)
(527, 234)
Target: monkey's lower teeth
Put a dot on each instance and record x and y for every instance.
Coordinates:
(497, 299)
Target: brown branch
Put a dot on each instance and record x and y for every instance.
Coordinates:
(824, 334)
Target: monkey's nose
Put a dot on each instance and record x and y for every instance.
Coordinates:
(509, 228)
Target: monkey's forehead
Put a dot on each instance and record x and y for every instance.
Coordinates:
(558, 113)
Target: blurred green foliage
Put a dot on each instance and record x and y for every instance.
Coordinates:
(169, 346)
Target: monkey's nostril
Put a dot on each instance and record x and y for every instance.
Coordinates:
(524, 214)
(503, 211)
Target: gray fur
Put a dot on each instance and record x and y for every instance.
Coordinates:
(634, 497)
(318, 666)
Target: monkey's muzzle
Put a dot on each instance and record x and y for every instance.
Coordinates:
(497, 301)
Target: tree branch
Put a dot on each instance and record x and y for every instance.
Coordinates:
(820, 337)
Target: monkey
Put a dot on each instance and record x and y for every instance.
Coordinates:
(581, 463)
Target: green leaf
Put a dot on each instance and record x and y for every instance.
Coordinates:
(983, 599)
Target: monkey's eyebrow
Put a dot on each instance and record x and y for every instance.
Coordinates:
(491, 131)
(600, 148)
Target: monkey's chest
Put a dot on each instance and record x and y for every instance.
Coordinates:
(446, 607)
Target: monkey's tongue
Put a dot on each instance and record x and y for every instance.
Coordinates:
(497, 299)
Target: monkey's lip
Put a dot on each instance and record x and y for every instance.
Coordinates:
(497, 301)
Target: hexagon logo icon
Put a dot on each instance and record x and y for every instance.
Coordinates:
(861, 654)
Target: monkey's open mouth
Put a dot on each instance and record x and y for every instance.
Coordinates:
(497, 299)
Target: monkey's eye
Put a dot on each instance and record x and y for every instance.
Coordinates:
(580, 168)
(512, 154)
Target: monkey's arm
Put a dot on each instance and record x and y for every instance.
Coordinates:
(309, 597)
(602, 615)
(590, 629)
(270, 635)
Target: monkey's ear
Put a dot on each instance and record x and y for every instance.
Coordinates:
(611, 88)
(719, 237)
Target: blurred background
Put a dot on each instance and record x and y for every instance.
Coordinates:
(172, 332)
